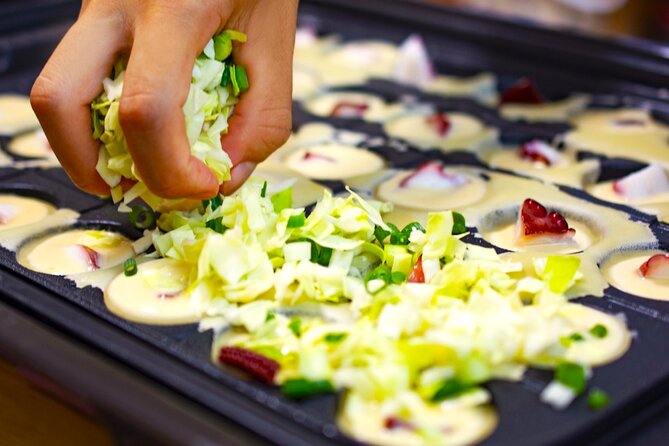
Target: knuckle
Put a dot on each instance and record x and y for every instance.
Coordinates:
(46, 95)
(139, 111)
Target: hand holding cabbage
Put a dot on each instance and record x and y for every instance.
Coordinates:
(163, 40)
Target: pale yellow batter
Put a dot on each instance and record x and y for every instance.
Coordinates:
(558, 111)
(655, 205)
(16, 211)
(31, 145)
(75, 251)
(641, 138)
(16, 115)
(465, 133)
(566, 171)
(428, 199)
(333, 161)
(622, 271)
(153, 295)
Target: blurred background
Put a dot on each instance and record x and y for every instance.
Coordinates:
(641, 18)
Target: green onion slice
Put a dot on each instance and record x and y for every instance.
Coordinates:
(214, 202)
(295, 326)
(130, 267)
(598, 399)
(263, 191)
(571, 375)
(241, 78)
(297, 221)
(303, 388)
(216, 225)
(599, 331)
(459, 224)
(449, 389)
(141, 218)
(333, 338)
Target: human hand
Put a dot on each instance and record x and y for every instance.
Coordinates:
(163, 38)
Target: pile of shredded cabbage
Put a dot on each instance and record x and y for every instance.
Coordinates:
(215, 87)
(328, 297)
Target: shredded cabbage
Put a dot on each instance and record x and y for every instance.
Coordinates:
(334, 300)
(215, 88)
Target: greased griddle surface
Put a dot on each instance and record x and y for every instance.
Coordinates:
(184, 354)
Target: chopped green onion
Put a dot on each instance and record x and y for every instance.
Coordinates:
(381, 272)
(598, 399)
(98, 126)
(449, 389)
(324, 256)
(130, 267)
(225, 79)
(214, 202)
(459, 224)
(303, 388)
(270, 316)
(577, 337)
(216, 225)
(599, 331)
(141, 218)
(398, 277)
(380, 234)
(297, 221)
(233, 79)
(295, 326)
(411, 226)
(282, 200)
(399, 238)
(333, 338)
(263, 191)
(222, 47)
(571, 375)
(242, 78)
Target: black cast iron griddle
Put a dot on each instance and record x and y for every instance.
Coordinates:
(178, 357)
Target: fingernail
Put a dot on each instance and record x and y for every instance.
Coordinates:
(239, 174)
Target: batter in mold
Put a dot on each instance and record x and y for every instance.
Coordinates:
(16, 115)
(153, 295)
(75, 251)
(621, 133)
(481, 87)
(538, 159)
(306, 83)
(414, 67)
(640, 273)
(464, 423)
(433, 187)
(310, 49)
(557, 111)
(333, 161)
(646, 190)
(523, 101)
(31, 145)
(347, 104)
(446, 131)
(17, 211)
(355, 62)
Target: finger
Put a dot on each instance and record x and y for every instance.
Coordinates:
(238, 175)
(62, 94)
(261, 121)
(156, 84)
